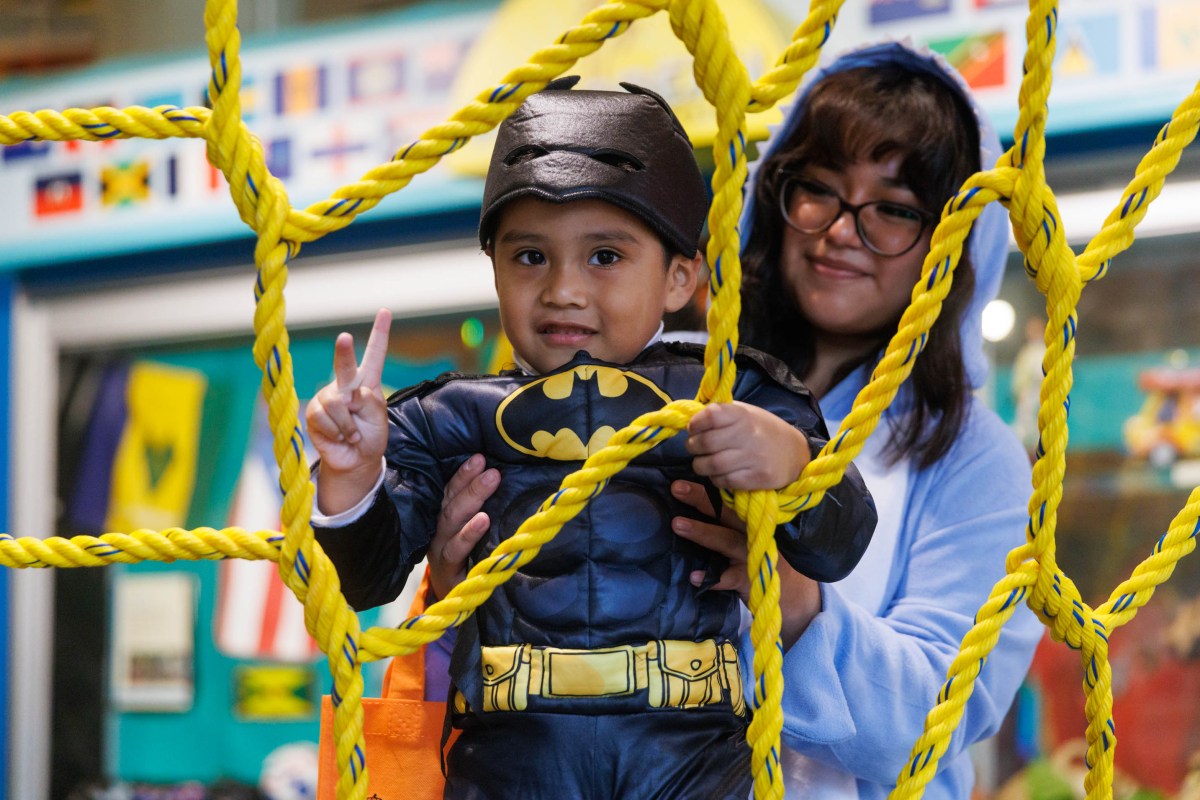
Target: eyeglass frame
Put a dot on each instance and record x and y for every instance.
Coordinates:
(790, 176)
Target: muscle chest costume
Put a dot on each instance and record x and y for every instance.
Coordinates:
(614, 582)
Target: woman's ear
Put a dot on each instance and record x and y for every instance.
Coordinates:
(682, 274)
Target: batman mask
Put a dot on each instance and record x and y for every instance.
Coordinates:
(626, 148)
(569, 415)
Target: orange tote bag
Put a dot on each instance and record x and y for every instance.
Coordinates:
(402, 732)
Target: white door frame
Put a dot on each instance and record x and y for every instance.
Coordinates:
(412, 282)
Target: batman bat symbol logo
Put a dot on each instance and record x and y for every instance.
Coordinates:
(570, 415)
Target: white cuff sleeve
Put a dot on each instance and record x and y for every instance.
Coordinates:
(350, 514)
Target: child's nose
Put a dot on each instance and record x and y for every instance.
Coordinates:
(564, 287)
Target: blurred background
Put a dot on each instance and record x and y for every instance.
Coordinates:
(131, 398)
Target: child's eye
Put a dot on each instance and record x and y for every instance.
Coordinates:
(532, 258)
(604, 258)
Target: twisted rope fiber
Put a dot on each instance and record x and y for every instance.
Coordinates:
(1018, 181)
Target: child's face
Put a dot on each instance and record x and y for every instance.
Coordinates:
(583, 275)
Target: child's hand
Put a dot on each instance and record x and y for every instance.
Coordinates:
(740, 446)
(461, 524)
(347, 421)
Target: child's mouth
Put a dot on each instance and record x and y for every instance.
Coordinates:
(565, 335)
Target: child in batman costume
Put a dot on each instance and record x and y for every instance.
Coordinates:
(598, 669)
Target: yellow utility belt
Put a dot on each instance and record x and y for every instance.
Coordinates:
(676, 673)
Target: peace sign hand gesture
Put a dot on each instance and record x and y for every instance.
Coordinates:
(347, 421)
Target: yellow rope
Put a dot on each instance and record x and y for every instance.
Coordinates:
(1017, 181)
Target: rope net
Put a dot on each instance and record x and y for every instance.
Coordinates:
(1017, 181)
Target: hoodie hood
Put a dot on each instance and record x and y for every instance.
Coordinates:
(988, 242)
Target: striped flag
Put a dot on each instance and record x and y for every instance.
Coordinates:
(154, 471)
(258, 617)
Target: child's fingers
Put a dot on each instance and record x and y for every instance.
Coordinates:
(370, 373)
(719, 464)
(345, 366)
(712, 416)
(331, 417)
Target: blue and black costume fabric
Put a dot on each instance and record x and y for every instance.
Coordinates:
(615, 579)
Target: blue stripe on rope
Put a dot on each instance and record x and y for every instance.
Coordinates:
(302, 567)
(335, 697)
(613, 31)
(409, 623)
(362, 761)
(1012, 598)
(296, 440)
(717, 273)
(250, 180)
(828, 31)
(965, 198)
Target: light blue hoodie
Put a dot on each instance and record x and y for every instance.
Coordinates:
(861, 679)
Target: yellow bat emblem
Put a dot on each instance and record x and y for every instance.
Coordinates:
(570, 415)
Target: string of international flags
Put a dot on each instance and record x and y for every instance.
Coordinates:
(322, 120)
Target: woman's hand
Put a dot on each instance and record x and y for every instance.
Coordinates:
(799, 595)
(461, 524)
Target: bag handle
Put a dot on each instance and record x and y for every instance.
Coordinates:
(405, 677)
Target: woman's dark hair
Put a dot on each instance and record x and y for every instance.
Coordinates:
(870, 114)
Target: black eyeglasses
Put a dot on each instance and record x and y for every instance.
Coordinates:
(886, 228)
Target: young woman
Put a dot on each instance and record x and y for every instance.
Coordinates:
(838, 223)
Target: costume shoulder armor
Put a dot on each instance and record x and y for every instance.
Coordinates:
(747, 358)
